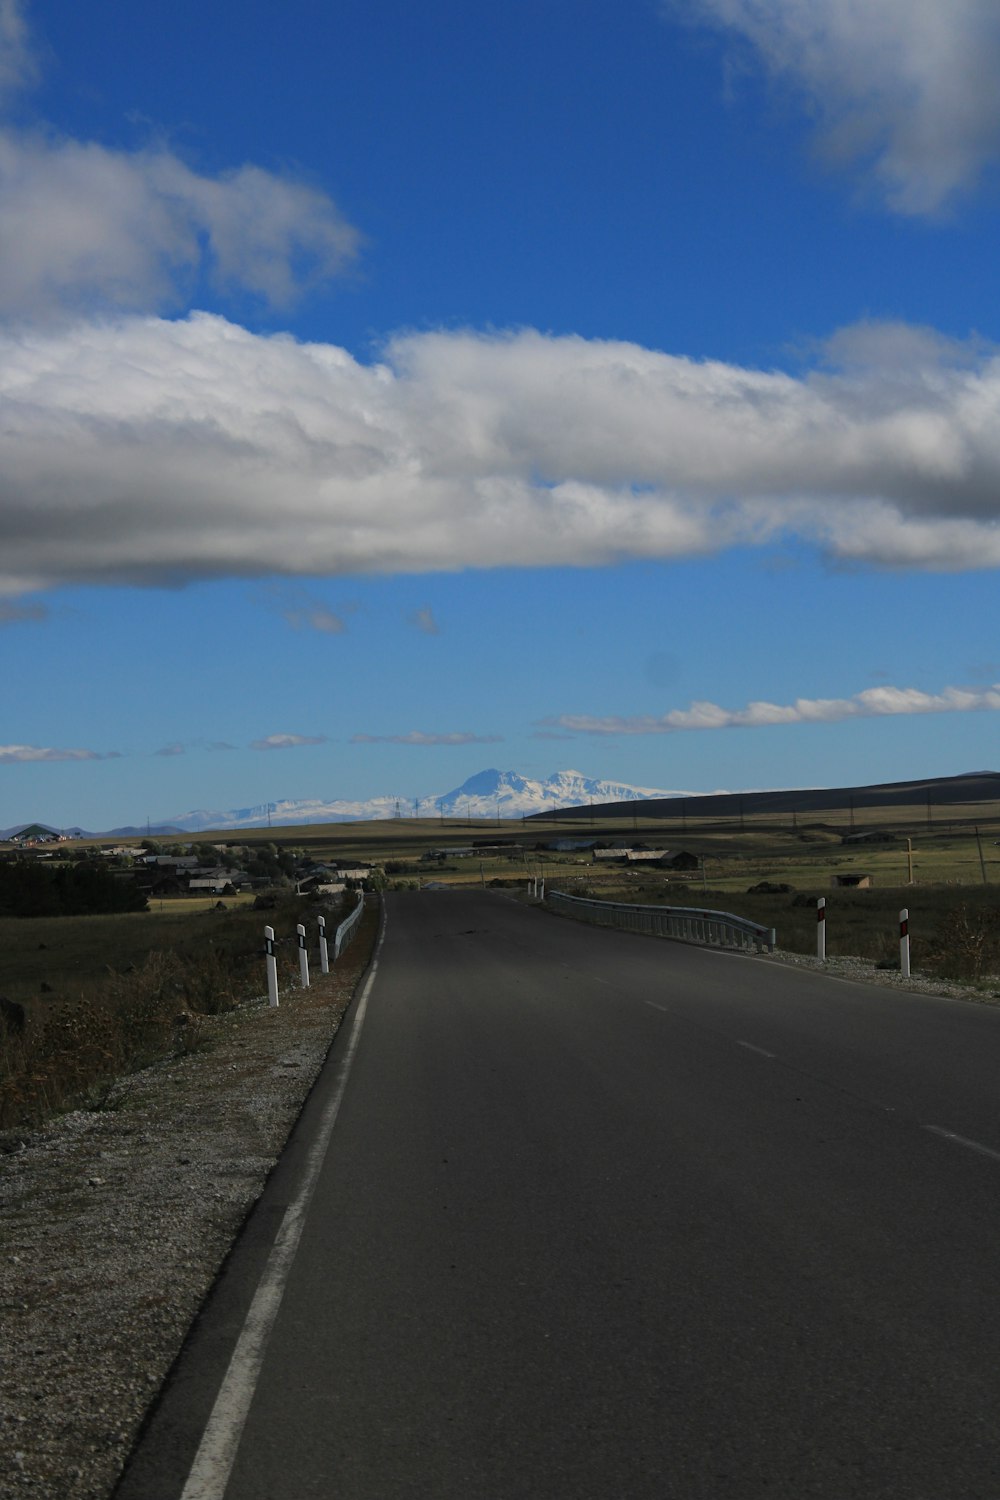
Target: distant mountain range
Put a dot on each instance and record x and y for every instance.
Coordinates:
(491, 793)
(482, 796)
(485, 795)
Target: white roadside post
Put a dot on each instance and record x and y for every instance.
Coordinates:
(542, 896)
(303, 957)
(272, 966)
(904, 942)
(821, 927)
(324, 952)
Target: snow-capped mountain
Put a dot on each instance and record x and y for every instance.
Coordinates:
(482, 796)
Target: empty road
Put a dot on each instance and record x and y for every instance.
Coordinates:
(574, 1213)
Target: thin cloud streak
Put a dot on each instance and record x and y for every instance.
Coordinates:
(18, 64)
(317, 618)
(415, 737)
(871, 703)
(30, 754)
(287, 741)
(147, 452)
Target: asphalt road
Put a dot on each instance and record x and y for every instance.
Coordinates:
(609, 1216)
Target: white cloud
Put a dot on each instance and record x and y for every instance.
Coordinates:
(146, 451)
(21, 754)
(82, 226)
(906, 86)
(18, 68)
(871, 703)
(415, 737)
(287, 741)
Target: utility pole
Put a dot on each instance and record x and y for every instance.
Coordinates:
(982, 862)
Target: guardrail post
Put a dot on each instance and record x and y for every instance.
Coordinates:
(904, 943)
(303, 957)
(272, 966)
(324, 952)
(821, 927)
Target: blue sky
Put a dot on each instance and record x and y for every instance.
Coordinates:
(389, 391)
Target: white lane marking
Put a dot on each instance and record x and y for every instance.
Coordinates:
(220, 1441)
(654, 1005)
(962, 1140)
(751, 1048)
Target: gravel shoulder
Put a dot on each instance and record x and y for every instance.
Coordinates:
(114, 1223)
(865, 972)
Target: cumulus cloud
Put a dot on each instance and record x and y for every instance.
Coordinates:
(415, 737)
(84, 227)
(908, 87)
(287, 741)
(21, 754)
(871, 703)
(146, 451)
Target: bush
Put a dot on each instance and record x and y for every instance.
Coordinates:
(966, 944)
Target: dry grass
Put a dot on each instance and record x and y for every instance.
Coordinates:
(97, 1022)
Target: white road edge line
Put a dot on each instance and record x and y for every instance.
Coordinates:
(751, 1048)
(220, 1441)
(963, 1140)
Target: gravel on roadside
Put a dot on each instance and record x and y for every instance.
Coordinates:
(114, 1223)
(865, 972)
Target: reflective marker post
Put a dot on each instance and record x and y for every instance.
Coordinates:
(324, 952)
(303, 957)
(272, 966)
(821, 927)
(904, 942)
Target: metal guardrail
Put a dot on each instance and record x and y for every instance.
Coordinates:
(347, 928)
(686, 924)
